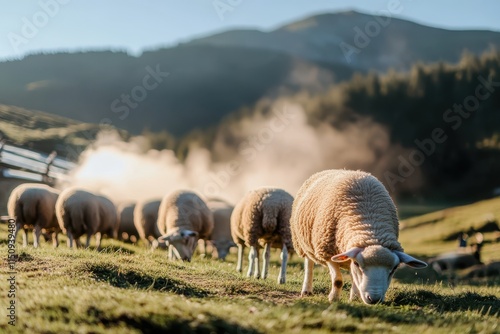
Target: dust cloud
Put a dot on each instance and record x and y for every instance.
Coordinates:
(281, 149)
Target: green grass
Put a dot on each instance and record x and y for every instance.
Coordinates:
(127, 289)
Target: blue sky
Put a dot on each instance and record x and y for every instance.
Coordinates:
(133, 25)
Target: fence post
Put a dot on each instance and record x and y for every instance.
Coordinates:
(49, 161)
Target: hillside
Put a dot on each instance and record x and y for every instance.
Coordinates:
(127, 289)
(176, 89)
(211, 77)
(437, 232)
(396, 43)
(45, 132)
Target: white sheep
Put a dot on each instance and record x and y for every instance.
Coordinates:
(145, 218)
(183, 219)
(80, 212)
(342, 215)
(221, 237)
(262, 218)
(33, 206)
(126, 227)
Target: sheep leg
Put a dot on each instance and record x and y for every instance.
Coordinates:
(284, 261)
(336, 277)
(36, 235)
(70, 239)
(98, 237)
(87, 243)
(354, 292)
(257, 263)
(25, 237)
(307, 286)
(267, 258)
(55, 239)
(78, 243)
(239, 266)
(18, 228)
(251, 261)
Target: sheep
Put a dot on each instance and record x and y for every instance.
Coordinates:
(183, 219)
(262, 218)
(342, 215)
(450, 262)
(33, 206)
(221, 237)
(80, 212)
(145, 218)
(126, 226)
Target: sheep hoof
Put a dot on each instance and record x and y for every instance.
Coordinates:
(281, 280)
(306, 294)
(333, 297)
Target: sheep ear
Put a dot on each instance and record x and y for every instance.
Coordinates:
(410, 260)
(350, 254)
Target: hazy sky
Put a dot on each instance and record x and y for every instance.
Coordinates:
(132, 25)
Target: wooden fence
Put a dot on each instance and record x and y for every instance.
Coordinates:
(21, 163)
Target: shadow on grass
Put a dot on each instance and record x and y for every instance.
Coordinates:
(486, 305)
(155, 323)
(129, 279)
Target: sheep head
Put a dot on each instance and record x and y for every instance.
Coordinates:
(182, 243)
(222, 247)
(372, 269)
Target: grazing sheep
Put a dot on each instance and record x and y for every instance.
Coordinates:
(183, 218)
(342, 215)
(262, 217)
(126, 227)
(450, 262)
(145, 218)
(33, 206)
(80, 212)
(221, 234)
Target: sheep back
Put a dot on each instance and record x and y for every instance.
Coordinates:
(34, 204)
(336, 210)
(83, 212)
(262, 216)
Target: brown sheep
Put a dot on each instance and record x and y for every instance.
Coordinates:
(33, 206)
(80, 212)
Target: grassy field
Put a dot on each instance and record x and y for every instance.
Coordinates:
(127, 289)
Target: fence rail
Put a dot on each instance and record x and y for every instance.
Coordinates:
(21, 163)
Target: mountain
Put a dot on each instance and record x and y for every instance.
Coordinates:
(176, 89)
(196, 84)
(380, 42)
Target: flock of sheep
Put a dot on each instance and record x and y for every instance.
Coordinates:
(339, 218)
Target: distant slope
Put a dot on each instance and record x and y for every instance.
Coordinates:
(204, 83)
(394, 43)
(435, 232)
(45, 132)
